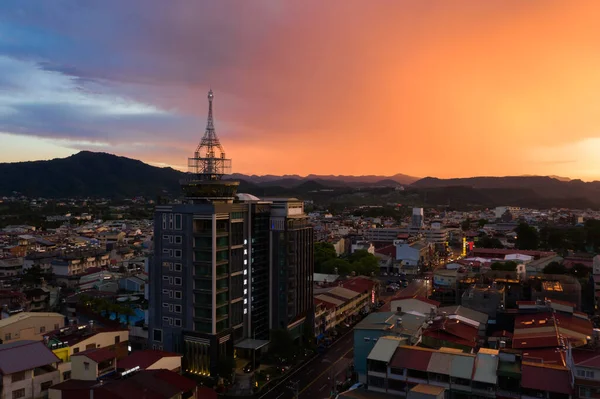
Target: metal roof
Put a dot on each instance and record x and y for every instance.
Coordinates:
(486, 366)
(25, 315)
(384, 349)
(24, 355)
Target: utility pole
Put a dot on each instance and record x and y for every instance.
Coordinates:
(294, 387)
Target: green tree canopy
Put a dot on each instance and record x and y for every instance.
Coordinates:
(580, 270)
(509, 266)
(342, 266)
(527, 237)
(555, 268)
(466, 225)
(282, 344)
(324, 252)
(489, 242)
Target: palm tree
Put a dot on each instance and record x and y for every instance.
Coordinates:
(128, 312)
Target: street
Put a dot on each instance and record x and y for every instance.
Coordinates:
(314, 380)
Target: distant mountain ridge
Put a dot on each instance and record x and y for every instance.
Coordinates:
(93, 174)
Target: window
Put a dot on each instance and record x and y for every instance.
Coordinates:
(178, 240)
(86, 365)
(19, 393)
(45, 385)
(56, 326)
(164, 221)
(67, 375)
(117, 339)
(177, 280)
(42, 329)
(177, 294)
(177, 322)
(177, 308)
(166, 237)
(177, 267)
(90, 346)
(166, 278)
(165, 305)
(75, 350)
(7, 336)
(170, 221)
(178, 253)
(157, 335)
(166, 292)
(178, 221)
(18, 376)
(165, 320)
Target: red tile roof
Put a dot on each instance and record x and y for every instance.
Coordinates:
(410, 357)
(99, 354)
(389, 250)
(586, 358)
(546, 378)
(144, 359)
(544, 355)
(358, 284)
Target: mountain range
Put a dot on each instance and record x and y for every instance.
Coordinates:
(92, 174)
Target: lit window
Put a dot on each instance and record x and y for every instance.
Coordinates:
(245, 242)
(245, 301)
(245, 310)
(245, 252)
(245, 261)
(245, 282)
(245, 272)
(245, 291)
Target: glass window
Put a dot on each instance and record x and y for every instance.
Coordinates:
(178, 221)
(157, 335)
(19, 393)
(177, 267)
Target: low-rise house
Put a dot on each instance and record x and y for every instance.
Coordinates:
(27, 370)
(10, 267)
(94, 364)
(150, 360)
(408, 325)
(135, 284)
(39, 299)
(29, 326)
(484, 298)
(160, 384)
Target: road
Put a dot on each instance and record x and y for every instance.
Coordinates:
(314, 380)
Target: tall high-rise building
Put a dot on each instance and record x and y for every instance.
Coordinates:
(211, 275)
(417, 221)
(292, 266)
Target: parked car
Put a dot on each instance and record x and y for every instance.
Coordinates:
(248, 368)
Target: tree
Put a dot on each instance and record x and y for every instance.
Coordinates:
(336, 266)
(580, 270)
(364, 263)
(127, 311)
(466, 225)
(489, 242)
(527, 237)
(482, 222)
(555, 268)
(282, 344)
(509, 266)
(225, 366)
(323, 252)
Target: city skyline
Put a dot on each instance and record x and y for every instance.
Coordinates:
(424, 89)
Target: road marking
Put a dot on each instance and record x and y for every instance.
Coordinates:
(280, 395)
(310, 372)
(326, 370)
(323, 387)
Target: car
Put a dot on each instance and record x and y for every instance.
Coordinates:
(248, 368)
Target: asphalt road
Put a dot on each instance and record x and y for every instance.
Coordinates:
(314, 380)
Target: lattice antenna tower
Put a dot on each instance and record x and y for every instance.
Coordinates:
(209, 161)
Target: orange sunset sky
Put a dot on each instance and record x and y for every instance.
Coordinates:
(424, 88)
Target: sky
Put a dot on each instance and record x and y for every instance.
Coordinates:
(424, 88)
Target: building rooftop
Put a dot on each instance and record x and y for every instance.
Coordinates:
(144, 359)
(24, 355)
(384, 348)
(26, 315)
(427, 389)
(99, 354)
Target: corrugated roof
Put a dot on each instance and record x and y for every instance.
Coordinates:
(344, 292)
(384, 349)
(25, 315)
(486, 366)
(411, 357)
(546, 378)
(330, 299)
(465, 312)
(440, 363)
(462, 366)
(24, 355)
(144, 359)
